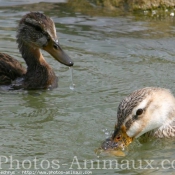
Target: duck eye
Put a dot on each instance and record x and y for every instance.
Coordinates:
(118, 137)
(139, 112)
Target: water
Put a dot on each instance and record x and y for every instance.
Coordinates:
(72, 85)
(113, 56)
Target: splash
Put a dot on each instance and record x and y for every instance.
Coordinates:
(72, 85)
(110, 148)
(107, 133)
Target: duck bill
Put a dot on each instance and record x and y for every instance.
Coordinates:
(119, 141)
(54, 49)
(122, 138)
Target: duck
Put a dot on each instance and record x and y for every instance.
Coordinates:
(145, 113)
(35, 31)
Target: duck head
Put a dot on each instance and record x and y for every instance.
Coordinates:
(36, 30)
(148, 111)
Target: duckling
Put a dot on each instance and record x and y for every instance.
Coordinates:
(145, 112)
(35, 31)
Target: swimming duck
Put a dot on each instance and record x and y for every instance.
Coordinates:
(35, 31)
(148, 112)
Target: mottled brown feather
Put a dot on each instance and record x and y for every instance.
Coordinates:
(34, 32)
(10, 69)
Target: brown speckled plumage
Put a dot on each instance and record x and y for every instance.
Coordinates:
(145, 113)
(127, 104)
(10, 69)
(126, 118)
(35, 31)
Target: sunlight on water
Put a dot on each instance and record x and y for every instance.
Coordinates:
(72, 85)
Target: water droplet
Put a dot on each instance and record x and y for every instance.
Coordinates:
(103, 130)
(106, 133)
(72, 85)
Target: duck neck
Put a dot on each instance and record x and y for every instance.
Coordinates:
(39, 74)
(32, 56)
